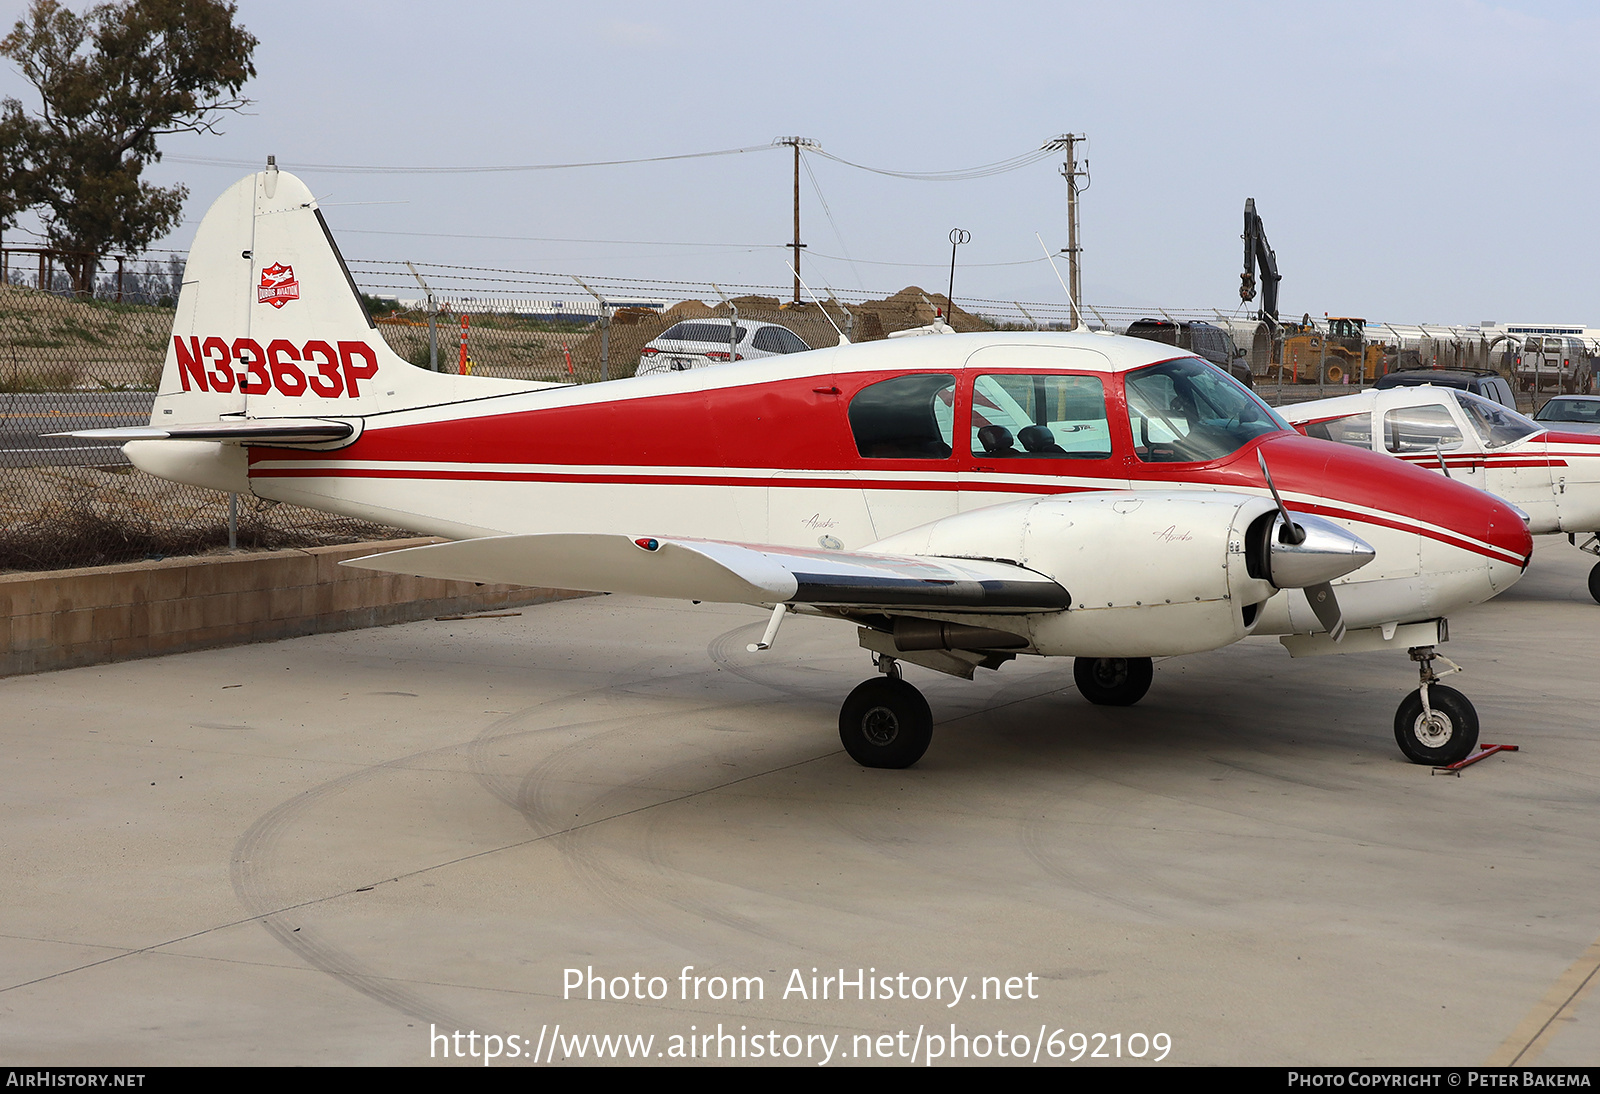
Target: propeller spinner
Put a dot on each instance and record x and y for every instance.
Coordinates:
(1308, 554)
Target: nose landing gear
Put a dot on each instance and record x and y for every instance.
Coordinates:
(1435, 724)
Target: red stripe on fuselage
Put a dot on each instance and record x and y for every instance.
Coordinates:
(787, 426)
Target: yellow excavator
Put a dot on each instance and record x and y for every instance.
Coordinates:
(1305, 353)
(1338, 354)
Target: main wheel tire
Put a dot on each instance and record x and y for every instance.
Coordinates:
(885, 723)
(1594, 582)
(1447, 736)
(1113, 681)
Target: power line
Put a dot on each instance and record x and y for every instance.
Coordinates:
(747, 247)
(556, 239)
(372, 169)
(928, 265)
(812, 175)
(999, 167)
(958, 175)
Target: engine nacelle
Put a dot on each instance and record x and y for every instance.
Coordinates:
(1150, 574)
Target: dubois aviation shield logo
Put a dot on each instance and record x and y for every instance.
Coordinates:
(278, 286)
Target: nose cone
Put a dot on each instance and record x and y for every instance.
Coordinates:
(1505, 527)
(1456, 544)
(1321, 552)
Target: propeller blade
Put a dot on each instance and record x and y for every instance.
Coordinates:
(1290, 532)
(1326, 607)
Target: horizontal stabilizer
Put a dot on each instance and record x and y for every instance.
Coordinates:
(240, 431)
(733, 573)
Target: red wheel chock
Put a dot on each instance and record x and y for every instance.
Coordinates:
(1485, 750)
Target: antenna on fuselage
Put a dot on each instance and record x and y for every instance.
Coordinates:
(843, 341)
(1077, 314)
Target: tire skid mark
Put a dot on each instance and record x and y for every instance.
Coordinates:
(1085, 871)
(605, 872)
(253, 872)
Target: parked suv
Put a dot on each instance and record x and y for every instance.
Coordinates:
(1202, 339)
(1491, 385)
(699, 343)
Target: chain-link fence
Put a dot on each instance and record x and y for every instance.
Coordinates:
(68, 363)
(536, 326)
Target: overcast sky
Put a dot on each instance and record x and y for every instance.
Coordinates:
(1430, 161)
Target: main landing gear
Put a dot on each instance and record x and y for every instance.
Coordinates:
(1591, 545)
(1435, 725)
(886, 722)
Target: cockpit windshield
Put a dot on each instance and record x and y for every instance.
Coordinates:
(1188, 411)
(1497, 425)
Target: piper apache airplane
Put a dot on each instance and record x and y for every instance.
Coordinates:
(960, 500)
(1551, 476)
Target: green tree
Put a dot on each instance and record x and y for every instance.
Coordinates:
(110, 82)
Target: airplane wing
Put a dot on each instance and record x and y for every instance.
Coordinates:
(733, 573)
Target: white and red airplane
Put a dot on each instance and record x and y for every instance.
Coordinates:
(960, 500)
(1553, 477)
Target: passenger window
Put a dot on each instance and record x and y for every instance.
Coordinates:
(906, 418)
(1420, 429)
(1046, 417)
(1353, 429)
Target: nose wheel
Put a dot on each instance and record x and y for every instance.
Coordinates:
(1435, 725)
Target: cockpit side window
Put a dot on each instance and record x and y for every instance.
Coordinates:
(905, 418)
(1426, 428)
(1353, 429)
(1042, 417)
(1187, 411)
(1497, 425)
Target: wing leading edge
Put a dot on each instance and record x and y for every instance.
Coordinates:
(733, 573)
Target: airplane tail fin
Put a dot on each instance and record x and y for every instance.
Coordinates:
(270, 322)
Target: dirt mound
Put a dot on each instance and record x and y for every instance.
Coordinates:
(634, 328)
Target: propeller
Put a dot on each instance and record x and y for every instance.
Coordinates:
(1309, 554)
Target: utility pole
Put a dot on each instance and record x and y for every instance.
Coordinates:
(1071, 172)
(797, 143)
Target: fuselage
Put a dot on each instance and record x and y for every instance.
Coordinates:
(846, 447)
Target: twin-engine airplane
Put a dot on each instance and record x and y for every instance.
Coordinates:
(1553, 477)
(960, 500)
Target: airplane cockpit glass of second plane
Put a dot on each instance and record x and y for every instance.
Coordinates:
(1187, 411)
(1497, 425)
(905, 418)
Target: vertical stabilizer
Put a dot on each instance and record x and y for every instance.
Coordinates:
(270, 323)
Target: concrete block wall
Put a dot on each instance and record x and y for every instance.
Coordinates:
(66, 618)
